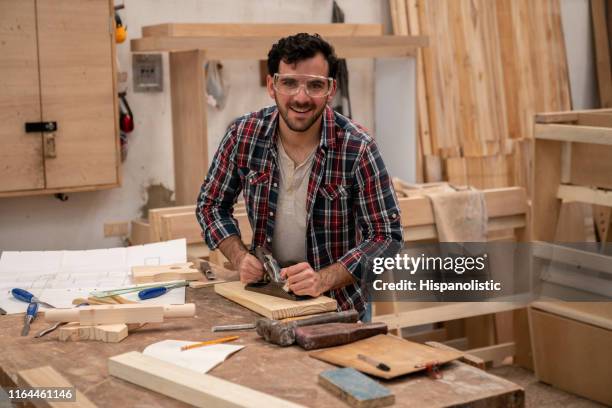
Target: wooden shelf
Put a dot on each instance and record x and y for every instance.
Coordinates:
(585, 195)
(216, 47)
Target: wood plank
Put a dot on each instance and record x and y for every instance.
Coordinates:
(356, 389)
(259, 30)
(572, 256)
(423, 232)
(573, 133)
(274, 307)
(189, 123)
(547, 177)
(402, 356)
(258, 47)
(591, 165)
(48, 377)
(165, 273)
(572, 356)
(597, 314)
(500, 202)
(200, 390)
(603, 63)
(21, 154)
(567, 116)
(449, 311)
(495, 353)
(583, 194)
(466, 358)
(78, 90)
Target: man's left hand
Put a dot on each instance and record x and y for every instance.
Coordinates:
(302, 279)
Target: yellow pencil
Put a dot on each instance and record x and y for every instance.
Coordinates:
(209, 342)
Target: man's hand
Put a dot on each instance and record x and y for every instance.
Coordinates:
(250, 269)
(302, 279)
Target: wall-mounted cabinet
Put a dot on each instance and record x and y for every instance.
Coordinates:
(58, 104)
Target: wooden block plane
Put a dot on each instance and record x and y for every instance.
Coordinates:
(274, 307)
(164, 273)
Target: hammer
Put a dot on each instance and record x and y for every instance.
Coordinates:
(283, 333)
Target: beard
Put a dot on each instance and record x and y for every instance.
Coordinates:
(299, 125)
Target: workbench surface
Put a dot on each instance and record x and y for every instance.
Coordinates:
(288, 373)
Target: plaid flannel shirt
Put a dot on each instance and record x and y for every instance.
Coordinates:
(348, 187)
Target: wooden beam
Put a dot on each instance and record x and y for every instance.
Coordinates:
(450, 311)
(566, 116)
(260, 30)
(257, 47)
(120, 313)
(495, 353)
(189, 123)
(571, 256)
(585, 195)
(603, 63)
(48, 377)
(572, 133)
(423, 232)
(470, 358)
(200, 390)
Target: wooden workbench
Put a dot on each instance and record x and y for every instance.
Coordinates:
(283, 372)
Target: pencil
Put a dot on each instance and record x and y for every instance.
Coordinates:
(375, 363)
(209, 342)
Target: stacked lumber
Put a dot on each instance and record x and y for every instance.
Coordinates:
(489, 68)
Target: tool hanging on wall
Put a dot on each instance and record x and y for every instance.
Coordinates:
(126, 123)
(120, 29)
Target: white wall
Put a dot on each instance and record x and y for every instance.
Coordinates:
(29, 223)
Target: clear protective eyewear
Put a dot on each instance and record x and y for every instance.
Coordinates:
(315, 86)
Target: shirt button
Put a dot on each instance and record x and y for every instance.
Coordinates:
(275, 185)
(271, 214)
(394, 215)
(269, 239)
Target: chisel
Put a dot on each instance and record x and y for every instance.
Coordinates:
(157, 291)
(25, 296)
(30, 315)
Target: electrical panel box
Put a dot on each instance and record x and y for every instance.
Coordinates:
(147, 72)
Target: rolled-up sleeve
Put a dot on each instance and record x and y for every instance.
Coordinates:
(377, 211)
(214, 209)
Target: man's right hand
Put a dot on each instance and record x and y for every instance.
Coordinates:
(250, 269)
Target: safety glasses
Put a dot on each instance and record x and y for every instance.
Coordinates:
(315, 86)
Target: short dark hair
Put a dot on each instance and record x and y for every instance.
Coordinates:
(299, 47)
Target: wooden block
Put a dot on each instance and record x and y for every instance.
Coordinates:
(200, 390)
(402, 356)
(116, 229)
(356, 389)
(140, 232)
(111, 333)
(164, 273)
(124, 313)
(47, 376)
(274, 307)
(335, 334)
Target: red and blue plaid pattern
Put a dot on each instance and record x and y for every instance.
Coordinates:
(348, 187)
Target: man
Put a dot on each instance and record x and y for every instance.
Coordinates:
(309, 176)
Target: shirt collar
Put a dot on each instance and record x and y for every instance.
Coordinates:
(328, 134)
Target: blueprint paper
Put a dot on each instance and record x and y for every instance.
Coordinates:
(57, 277)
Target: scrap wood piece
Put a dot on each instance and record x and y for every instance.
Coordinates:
(200, 390)
(107, 333)
(334, 334)
(356, 389)
(47, 377)
(163, 273)
(402, 356)
(120, 313)
(274, 307)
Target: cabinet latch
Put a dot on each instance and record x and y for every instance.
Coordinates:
(37, 127)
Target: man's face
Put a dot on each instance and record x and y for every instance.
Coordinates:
(301, 111)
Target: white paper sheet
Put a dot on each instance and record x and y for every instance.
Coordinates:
(57, 277)
(201, 359)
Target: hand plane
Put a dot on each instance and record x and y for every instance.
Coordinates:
(272, 284)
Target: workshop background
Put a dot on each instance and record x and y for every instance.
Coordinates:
(30, 223)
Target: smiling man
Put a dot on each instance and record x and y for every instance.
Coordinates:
(312, 181)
